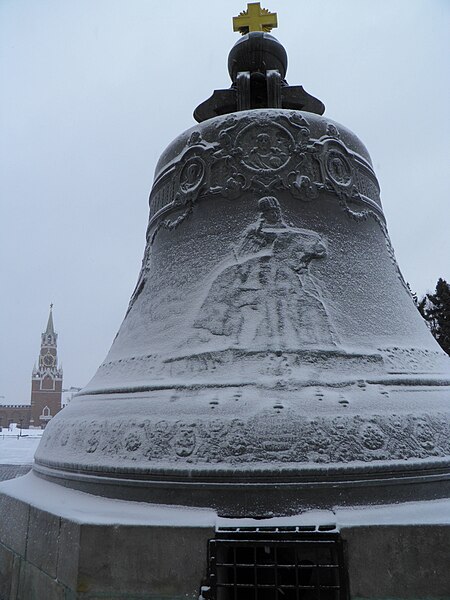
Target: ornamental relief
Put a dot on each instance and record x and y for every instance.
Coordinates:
(265, 438)
(338, 168)
(184, 181)
(192, 175)
(264, 149)
(260, 155)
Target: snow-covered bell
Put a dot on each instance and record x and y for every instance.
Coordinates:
(271, 357)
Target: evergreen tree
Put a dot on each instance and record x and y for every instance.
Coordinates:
(436, 308)
(422, 306)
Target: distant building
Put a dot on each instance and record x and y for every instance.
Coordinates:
(15, 413)
(46, 387)
(47, 378)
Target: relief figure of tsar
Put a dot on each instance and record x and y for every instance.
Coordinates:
(267, 293)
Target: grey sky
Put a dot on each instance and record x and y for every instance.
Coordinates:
(94, 90)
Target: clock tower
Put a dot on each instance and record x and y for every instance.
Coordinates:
(46, 382)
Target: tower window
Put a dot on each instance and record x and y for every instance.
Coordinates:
(46, 415)
(276, 563)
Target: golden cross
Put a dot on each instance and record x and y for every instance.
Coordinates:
(255, 18)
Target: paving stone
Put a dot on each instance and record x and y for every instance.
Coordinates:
(13, 471)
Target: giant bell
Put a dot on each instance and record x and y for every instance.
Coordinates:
(271, 357)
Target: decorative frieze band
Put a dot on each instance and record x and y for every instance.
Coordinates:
(278, 438)
(263, 154)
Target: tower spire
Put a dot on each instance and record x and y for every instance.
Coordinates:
(50, 328)
(46, 382)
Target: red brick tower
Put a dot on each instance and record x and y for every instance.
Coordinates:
(46, 382)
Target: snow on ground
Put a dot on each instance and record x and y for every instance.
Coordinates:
(18, 448)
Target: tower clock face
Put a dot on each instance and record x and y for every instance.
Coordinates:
(48, 360)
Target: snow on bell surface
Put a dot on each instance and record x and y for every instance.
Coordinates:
(271, 356)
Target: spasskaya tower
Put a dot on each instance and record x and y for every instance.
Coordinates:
(46, 382)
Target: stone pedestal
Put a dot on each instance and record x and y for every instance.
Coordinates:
(61, 544)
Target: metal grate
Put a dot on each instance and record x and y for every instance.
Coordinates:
(277, 563)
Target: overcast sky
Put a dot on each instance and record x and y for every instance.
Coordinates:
(92, 91)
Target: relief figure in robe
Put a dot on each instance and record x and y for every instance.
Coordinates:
(266, 292)
(265, 155)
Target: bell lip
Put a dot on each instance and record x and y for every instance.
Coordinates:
(270, 498)
(303, 475)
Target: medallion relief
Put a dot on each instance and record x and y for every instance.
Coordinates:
(185, 440)
(338, 168)
(192, 175)
(264, 148)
